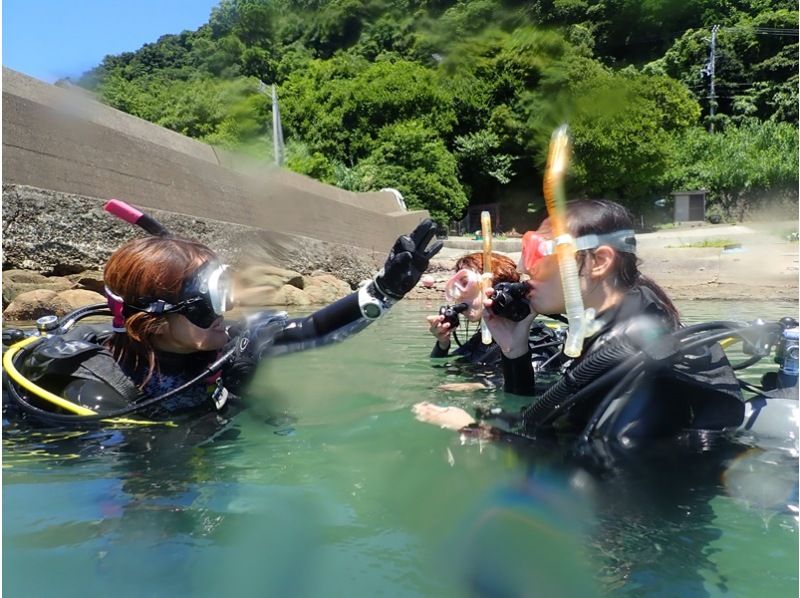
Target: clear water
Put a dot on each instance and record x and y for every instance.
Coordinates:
(327, 486)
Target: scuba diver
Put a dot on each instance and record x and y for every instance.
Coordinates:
(463, 291)
(463, 294)
(640, 376)
(169, 351)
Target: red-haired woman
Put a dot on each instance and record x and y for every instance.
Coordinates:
(464, 287)
(168, 296)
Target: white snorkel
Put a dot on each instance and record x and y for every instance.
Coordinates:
(581, 322)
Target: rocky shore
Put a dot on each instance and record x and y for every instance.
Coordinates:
(758, 272)
(29, 295)
(56, 244)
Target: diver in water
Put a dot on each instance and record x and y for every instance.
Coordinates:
(463, 292)
(463, 289)
(170, 351)
(697, 390)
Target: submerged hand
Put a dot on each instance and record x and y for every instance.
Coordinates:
(451, 418)
(407, 260)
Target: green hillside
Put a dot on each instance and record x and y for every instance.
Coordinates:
(453, 102)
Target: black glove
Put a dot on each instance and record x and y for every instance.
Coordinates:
(407, 260)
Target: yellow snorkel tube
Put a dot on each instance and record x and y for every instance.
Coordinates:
(486, 279)
(581, 322)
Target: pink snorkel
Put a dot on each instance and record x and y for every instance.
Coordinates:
(128, 213)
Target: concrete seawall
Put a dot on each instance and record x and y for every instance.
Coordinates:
(62, 151)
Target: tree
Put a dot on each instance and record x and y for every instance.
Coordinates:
(744, 167)
(622, 129)
(339, 106)
(410, 158)
(756, 70)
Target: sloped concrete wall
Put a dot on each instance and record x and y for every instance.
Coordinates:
(57, 140)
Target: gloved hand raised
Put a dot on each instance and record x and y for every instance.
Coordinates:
(407, 260)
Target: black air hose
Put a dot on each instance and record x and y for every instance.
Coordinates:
(588, 370)
(83, 419)
(599, 369)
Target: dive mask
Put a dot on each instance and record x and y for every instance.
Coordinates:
(204, 297)
(462, 286)
(465, 287)
(536, 246)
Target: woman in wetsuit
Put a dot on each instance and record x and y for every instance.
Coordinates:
(698, 391)
(467, 280)
(168, 296)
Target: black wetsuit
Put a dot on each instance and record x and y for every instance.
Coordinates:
(698, 391)
(79, 366)
(541, 340)
(472, 351)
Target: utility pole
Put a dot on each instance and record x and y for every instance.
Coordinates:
(710, 70)
(277, 128)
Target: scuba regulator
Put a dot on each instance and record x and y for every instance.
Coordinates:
(786, 354)
(510, 300)
(451, 313)
(783, 336)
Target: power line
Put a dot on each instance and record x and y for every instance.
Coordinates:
(710, 70)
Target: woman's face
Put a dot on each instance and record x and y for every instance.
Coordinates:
(547, 292)
(547, 295)
(465, 287)
(181, 336)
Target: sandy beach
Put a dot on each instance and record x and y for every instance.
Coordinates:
(764, 265)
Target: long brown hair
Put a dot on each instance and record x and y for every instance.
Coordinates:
(601, 216)
(503, 268)
(153, 268)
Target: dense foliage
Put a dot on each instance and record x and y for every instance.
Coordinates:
(452, 102)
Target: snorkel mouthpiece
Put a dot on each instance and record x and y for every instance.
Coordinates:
(581, 322)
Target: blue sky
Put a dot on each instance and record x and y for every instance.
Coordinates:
(50, 39)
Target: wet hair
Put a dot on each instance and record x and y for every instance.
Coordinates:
(152, 268)
(503, 268)
(599, 216)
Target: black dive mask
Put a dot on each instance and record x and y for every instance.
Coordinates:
(204, 297)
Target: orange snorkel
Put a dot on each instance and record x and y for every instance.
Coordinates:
(581, 322)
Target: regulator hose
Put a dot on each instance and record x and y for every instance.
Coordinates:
(81, 414)
(609, 363)
(96, 417)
